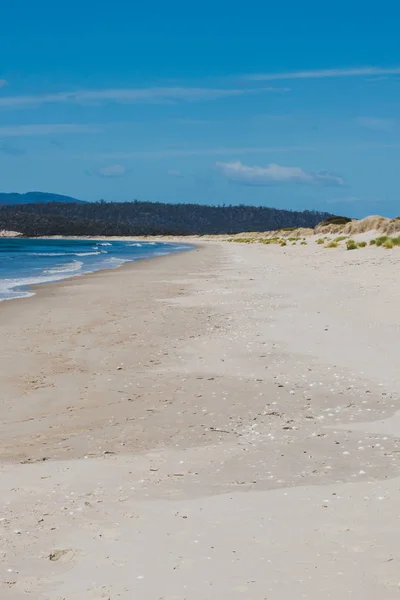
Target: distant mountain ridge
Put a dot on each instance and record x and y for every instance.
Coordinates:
(13, 198)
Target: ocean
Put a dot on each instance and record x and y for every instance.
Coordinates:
(25, 262)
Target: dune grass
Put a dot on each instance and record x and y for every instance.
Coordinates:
(351, 245)
(386, 241)
(381, 240)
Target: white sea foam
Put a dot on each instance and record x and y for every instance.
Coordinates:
(48, 253)
(19, 287)
(11, 288)
(113, 261)
(71, 267)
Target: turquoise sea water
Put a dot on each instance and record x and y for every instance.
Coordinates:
(25, 262)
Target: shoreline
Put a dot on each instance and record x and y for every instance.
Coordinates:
(231, 406)
(34, 288)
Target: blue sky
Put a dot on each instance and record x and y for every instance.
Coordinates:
(294, 105)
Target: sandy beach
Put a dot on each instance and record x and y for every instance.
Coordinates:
(216, 424)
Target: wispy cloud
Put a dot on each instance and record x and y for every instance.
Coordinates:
(11, 150)
(175, 173)
(56, 143)
(187, 121)
(325, 73)
(46, 129)
(3, 83)
(274, 174)
(354, 200)
(218, 151)
(377, 79)
(126, 96)
(377, 124)
(109, 171)
(346, 200)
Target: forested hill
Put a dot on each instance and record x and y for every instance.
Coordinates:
(34, 198)
(147, 218)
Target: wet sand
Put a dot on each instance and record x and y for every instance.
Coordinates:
(215, 424)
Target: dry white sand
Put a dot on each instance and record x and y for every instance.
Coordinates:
(218, 424)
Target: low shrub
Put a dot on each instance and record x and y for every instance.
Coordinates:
(273, 240)
(336, 220)
(380, 241)
(351, 245)
(362, 244)
(332, 245)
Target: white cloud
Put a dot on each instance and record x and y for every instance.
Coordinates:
(276, 174)
(112, 171)
(325, 73)
(46, 129)
(3, 82)
(175, 173)
(377, 124)
(126, 96)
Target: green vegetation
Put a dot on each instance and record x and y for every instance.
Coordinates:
(381, 240)
(273, 240)
(335, 220)
(255, 240)
(303, 243)
(385, 241)
(390, 242)
(321, 240)
(242, 240)
(340, 238)
(148, 218)
(362, 244)
(332, 245)
(351, 245)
